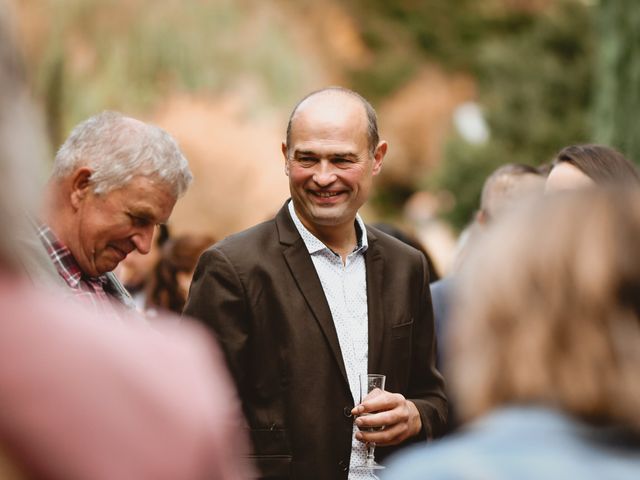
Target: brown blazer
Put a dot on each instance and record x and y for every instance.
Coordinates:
(259, 292)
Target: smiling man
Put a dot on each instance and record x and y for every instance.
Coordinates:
(114, 179)
(305, 303)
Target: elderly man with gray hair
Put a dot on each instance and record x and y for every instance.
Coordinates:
(114, 179)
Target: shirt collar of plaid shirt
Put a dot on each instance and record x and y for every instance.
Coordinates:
(63, 259)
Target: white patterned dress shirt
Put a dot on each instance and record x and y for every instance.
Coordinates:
(345, 288)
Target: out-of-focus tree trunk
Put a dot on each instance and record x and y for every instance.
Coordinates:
(617, 94)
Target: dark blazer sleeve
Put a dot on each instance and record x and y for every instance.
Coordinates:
(426, 385)
(217, 299)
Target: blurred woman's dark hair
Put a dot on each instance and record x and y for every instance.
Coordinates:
(178, 257)
(604, 165)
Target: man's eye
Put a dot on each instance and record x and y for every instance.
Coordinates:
(307, 160)
(139, 221)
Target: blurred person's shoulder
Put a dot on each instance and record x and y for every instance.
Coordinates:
(524, 443)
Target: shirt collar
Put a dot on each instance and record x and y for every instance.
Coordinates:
(63, 259)
(314, 245)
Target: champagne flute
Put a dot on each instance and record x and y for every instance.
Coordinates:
(368, 383)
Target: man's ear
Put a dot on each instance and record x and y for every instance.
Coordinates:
(286, 158)
(80, 185)
(378, 156)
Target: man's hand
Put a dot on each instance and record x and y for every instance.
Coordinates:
(399, 417)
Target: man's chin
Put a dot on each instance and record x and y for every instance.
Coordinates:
(328, 219)
(105, 266)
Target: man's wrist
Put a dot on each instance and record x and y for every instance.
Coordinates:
(415, 420)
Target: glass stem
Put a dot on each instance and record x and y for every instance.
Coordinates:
(370, 449)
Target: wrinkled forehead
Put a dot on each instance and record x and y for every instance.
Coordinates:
(147, 197)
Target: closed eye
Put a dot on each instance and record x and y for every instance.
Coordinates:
(139, 221)
(307, 161)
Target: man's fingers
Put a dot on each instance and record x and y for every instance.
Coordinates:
(376, 401)
(382, 401)
(376, 392)
(393, 420)
(389, 436)
(381, 419)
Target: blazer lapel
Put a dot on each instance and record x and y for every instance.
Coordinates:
(375, 270)
(301, 266)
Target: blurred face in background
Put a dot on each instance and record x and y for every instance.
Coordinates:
(565, 176)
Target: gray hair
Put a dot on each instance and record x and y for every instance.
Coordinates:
(372, 118)
(117, 148)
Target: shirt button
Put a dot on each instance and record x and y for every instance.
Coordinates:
(347, 412)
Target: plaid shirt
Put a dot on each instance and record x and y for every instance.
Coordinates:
(89, 290)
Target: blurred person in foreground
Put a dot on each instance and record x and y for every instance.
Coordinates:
(83, 398)
(578, 166)
(113, 180)
(170, 279)
(545, 347)
(305, 303)
(508, 185)
(136, 269)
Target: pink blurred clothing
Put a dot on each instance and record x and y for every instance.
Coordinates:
(85, 398)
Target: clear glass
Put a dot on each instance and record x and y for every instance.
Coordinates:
(368, 383)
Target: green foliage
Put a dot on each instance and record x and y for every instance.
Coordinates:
(617, 99)
(534, 74)
(469, 166)
(405, 33)
(535, 80)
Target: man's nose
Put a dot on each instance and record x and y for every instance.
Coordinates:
(324, 174)
(142, 239)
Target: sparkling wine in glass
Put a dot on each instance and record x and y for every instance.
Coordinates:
(368, 383)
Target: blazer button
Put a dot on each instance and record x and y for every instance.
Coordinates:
(347, 412)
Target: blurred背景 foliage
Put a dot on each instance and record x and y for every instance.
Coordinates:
(617, 91)
(129, 55)
(533, 64)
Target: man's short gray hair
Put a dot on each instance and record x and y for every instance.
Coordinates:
(117, 148)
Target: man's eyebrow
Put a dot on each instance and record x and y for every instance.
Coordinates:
(344, 155)
(143, 212)
(303, 153)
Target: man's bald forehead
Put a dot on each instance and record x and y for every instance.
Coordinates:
(335, 97)
(329, 96)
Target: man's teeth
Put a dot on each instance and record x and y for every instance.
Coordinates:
(326, 194)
